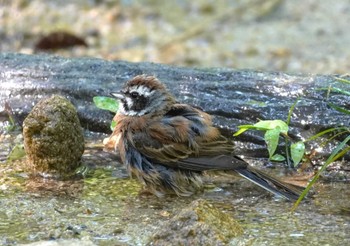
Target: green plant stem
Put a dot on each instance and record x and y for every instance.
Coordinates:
(333, 137)
(325, 132)
(287, 152)
(334, 89)
(333, 157)
(342, 80)
(339, 109)
(291, 111)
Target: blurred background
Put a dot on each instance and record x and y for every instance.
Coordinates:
(299, 36)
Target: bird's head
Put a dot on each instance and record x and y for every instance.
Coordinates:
(143, 95)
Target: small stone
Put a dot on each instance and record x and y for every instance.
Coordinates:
(199, 224)
(53, 138)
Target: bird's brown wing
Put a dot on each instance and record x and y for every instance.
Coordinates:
(185, 138)
(220, 162)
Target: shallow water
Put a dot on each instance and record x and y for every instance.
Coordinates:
(109, 208)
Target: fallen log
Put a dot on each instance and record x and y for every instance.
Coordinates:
(233, 97)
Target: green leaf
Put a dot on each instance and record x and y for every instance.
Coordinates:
(247, 127)
(106, 103)
(277, 157)
(240, 131)
(256, 103)
(113, 125)
(16, 153)
(272, 124)
(271, 138)
(297, 151)
(243, 128)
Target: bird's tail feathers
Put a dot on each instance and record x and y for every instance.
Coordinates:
(271, 184)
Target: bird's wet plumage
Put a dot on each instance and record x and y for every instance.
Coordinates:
(167, 145)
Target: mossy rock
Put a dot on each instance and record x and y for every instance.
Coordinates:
(53, 137)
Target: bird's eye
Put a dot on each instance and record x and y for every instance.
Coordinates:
(134, 94)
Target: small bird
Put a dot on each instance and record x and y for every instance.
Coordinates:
(168, 145)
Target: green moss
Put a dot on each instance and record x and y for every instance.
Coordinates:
(103, 184)
(224, 225)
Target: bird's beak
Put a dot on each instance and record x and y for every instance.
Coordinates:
(119, 95)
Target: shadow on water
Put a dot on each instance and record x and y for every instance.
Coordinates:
(109, 208)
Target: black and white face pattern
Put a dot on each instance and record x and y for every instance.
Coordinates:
(139, 100)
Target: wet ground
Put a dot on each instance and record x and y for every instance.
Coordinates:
(108, 208)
